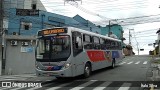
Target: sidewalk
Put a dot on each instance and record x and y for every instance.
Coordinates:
(155, 70)
(155, 64)
(25, 77)
(17, 77)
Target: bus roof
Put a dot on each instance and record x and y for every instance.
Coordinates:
(85, 32)
(92, 33)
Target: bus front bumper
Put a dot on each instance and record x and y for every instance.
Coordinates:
(58, 73)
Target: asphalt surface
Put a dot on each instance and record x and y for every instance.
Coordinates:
(131, 74)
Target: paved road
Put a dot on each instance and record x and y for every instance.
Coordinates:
(128, 75)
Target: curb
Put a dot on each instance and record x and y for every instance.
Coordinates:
(18, 76)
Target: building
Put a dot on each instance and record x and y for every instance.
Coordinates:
(20, 32)
(115, 28)
(89, 25)
(9, 62)
(24, 4)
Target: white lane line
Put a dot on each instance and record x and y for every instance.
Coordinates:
(137, 62)
(145, 62)
(102, 86)
(34, 88)
(93, 80)
(60, 86)
(99, 88)
(83, 85)
(129, 62)
(122, 63)
(125, 86)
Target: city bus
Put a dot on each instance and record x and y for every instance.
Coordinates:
(70, 52)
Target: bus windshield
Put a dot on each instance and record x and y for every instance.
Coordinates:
(53, 48)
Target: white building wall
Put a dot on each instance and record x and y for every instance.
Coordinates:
(40, 6)
(23, 4)
(27, 4)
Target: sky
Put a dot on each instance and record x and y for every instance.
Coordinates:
(100, 11)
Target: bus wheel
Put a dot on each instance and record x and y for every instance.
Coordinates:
(113, 63)
(87, 70)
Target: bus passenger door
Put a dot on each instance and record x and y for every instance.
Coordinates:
(77, 53)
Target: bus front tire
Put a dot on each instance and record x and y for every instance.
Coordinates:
(87, 70)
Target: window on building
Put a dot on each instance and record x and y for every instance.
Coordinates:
(26, 25)
(34, 6)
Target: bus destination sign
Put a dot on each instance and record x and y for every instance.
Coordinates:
(54, 31)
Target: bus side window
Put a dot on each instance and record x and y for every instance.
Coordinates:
(77, 43)
(87, 42)
(96, 42)
(102, 43)
(113, 44)
(108, 44)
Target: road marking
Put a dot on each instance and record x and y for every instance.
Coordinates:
(122, 63)
(129, 62)
(145, 62)
(34, 88)
(137, 62)
(83, 85)
(99, 88)
(60, 86)
(77, 88)
(102, 86)
(93, 80)
(125, 86)
(17, 88)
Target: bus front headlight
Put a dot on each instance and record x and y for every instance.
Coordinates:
(67, 65)
(37, 66)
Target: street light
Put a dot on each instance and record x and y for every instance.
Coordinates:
(130, 36)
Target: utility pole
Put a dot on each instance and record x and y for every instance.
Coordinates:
(109, 28)
(129, 37)
(1, 31)
(138, 48)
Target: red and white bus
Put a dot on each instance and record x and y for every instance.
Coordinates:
(69, 52)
